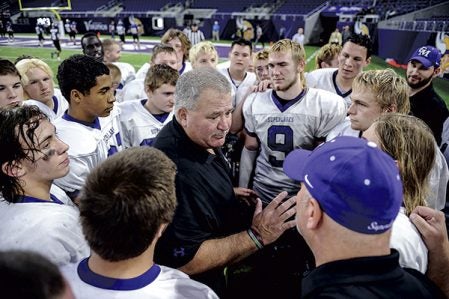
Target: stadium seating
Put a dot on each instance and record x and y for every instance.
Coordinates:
(142, 6)
(91, 5)
(389, 8)
(227, 6)
(299, 7)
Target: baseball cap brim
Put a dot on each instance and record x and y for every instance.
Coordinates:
(294, 164)
(425, 62)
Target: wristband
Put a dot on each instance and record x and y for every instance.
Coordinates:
(256, 238)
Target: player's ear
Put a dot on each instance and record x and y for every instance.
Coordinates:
(181, 116)
(161, 230)
(436, 71)
(148, 91)
(13, 169)
(76, 96)
(368, 61)
(324, 64)
(300, 67)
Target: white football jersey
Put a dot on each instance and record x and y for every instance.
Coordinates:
(438, 178)
(48, 228)
(61, 195)
(60, 105)
(186, 66)
(326, 79)
(224, 65)
(127, 71)
(283, 128)
(240, 91)
(343, 129)
(406, 239)
(133, 90)
(139, 126)
(142, 72)
(89, 146)
(157, 282)
(120, 29)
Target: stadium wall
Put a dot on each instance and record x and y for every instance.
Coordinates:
(399, 45)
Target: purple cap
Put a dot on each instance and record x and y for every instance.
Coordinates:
(356, 183)
(428, 56)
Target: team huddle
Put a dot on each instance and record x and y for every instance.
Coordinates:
(193, 179)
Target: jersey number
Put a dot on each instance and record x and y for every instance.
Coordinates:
(280, 139)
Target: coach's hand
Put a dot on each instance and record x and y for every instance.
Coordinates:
(270, 223)
(431, 224)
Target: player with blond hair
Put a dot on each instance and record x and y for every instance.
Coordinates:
(203, 54)
(327, 56)
(37, 81)
(286, 117)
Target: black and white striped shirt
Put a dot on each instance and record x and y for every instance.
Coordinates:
(195, 36)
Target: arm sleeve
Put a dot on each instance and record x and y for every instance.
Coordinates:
(247, 162)
(248, 114)
(438, 178)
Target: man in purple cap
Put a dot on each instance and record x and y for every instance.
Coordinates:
(425, 103)
(350, 195)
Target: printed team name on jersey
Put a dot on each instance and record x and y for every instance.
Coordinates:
(280, 119)
(108, 135)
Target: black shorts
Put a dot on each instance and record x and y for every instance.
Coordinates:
(135, 37)
(122, 38)
(57, 45)
(40, 36)
(72, 34)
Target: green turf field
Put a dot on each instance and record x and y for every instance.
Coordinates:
(11, 53)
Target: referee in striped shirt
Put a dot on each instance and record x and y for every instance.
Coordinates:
(195, 35)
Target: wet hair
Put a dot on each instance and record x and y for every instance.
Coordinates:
(18, 142)
(125, 201)
(79, 72)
